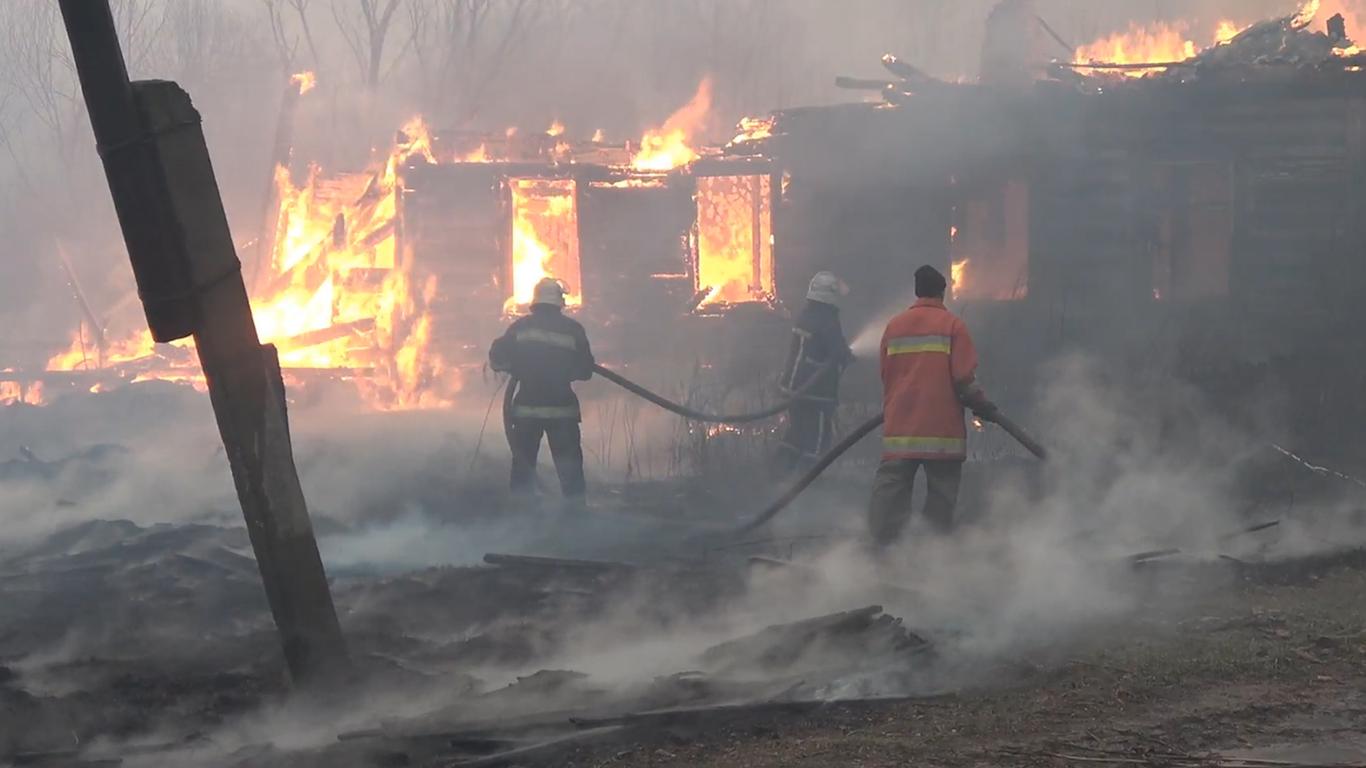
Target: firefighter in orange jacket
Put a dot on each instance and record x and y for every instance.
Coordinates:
(929, 367)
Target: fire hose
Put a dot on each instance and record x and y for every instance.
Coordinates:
(805, 481)
(784, 501)
(682, 410)
(688, 413)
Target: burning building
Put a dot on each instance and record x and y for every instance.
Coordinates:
(1177, 211)
(1190, 191)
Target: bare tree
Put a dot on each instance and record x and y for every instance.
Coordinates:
(140, 24)
(461, 46)
(286, 45)
(41, 72)
(368, 35)
(301, 10)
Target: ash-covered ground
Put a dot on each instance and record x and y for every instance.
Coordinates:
(134, 630)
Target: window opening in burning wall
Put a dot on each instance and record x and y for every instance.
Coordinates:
(1192, 231)
(545, 239)
(734, 239)
(989, 244)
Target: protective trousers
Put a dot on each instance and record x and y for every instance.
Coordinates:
(566, 449)
(810, 431)
(890, 507)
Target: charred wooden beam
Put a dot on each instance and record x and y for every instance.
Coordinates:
(1048, 28)
(904, 70)
(1124, 67)
(860, 84)
(87, 311)
(283, 145)
(554, 563)
(330, 333)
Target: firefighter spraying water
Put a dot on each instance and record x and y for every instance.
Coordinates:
(929, 375)
(545, 352)
(926, 384)
(818, 356)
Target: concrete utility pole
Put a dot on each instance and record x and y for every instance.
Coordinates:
(190, 283)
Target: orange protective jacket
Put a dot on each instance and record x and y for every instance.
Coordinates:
(929, 369)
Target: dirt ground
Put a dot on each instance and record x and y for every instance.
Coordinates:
(1273, 666)
(142, 643)
(1267, 660)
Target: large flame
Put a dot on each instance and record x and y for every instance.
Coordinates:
(545, 238)
(1140, 45)
(1154, 44)
(1353, 13)
(669, 146)
(734, 239)
(338, 294)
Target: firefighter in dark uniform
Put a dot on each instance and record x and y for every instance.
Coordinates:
(818, 349)
(544, 352)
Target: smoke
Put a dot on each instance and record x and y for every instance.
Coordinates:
(617, 66)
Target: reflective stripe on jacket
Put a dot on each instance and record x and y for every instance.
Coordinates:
(927, 358)
(545, 351)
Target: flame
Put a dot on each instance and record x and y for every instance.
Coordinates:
(1156, 44)
(668, 147)
(478, 155)
(734, 239)
(989, 257)
(545, 240)
(599, 136)
(13, 392)
(1306, 13)
(306, 81)
(753, 129)
(415, 139)
(338, 294)
(1226, 31)
(634, 183)
(83, 355)
(556, 129)
(1352, 11)
(970, 280)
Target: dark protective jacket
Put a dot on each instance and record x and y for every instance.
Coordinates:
(817, 339)
(544, 351)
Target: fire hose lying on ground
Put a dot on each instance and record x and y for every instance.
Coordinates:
(805, 481)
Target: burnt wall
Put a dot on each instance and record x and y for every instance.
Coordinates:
(1207, 232)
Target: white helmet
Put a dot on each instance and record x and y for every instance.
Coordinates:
(548, 291)
(826, 288)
